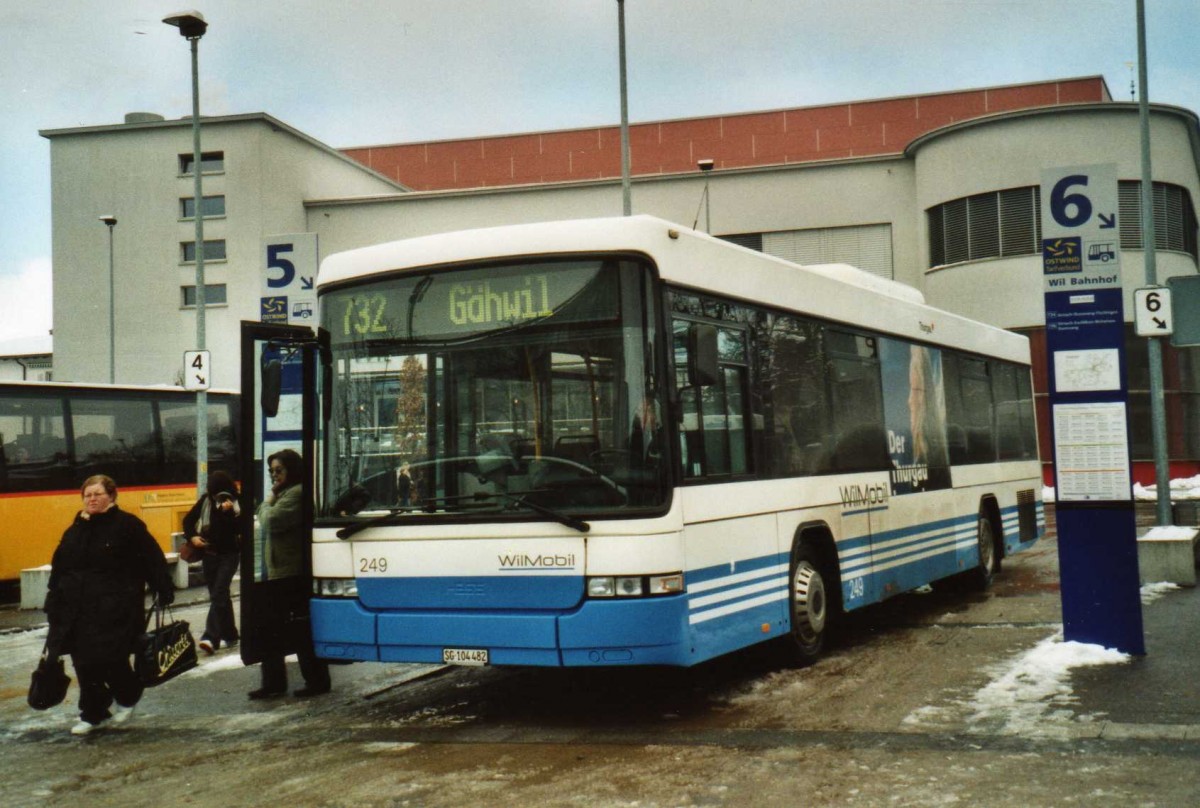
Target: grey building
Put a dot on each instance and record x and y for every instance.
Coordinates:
(938, 191)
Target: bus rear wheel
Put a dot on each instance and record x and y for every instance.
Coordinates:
(810, 610)
(989, 554)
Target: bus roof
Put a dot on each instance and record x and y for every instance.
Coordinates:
(688, 258)
(99, 387)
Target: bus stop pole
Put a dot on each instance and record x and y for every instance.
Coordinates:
(1158, 415)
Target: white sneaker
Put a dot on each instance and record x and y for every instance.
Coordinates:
(84, 728)
(121, 714)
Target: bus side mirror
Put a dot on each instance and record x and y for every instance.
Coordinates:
(271, 386)
(702, 355)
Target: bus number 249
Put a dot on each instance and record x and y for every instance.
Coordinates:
(372, 565)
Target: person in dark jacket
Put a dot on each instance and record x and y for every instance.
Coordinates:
(280, 518)
(96, 598)
(211, 526)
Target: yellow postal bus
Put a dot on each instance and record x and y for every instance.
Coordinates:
(54, 436)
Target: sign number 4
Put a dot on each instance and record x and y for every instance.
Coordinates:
(196, 370)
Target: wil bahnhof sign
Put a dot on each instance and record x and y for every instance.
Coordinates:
(1085, 342)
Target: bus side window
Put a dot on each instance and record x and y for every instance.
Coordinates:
(860, 443)
(33, 434)
(796, 379)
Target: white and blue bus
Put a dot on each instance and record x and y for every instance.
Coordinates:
(623, 442)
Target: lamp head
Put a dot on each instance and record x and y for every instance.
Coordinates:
(704, 165)
(109, 220)
(191, 24)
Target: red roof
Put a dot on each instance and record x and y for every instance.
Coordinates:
(801, 135)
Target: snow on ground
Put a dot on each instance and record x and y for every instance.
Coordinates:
(1037, 686)
(1183, 488)
(1031, 694)
(1154, 591)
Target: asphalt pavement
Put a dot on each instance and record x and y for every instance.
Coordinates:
(1153, 696)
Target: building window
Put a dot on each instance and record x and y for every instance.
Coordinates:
(210, 162)
(213, 250)
(991, 225)
(752, 241)
(211, 205)
(214, 295)
(1174, 217)
(1004, 223)
(868, 247)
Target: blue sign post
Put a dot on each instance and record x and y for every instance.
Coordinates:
(1085, 344)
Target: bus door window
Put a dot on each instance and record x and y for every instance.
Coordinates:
(381, 413)
(859, 441)
(713, 434)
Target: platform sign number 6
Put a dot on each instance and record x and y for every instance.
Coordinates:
(1080, 240)
(1070, 209)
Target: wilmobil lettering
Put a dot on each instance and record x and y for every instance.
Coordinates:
(521, 561)
(861, 496)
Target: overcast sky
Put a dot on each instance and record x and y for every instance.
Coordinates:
(360, 72)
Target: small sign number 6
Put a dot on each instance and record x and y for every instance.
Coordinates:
(1152, 311)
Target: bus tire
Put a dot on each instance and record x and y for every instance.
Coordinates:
(986, 539)
(809, 604)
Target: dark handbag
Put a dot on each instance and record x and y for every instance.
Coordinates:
(48, 684)
(165, 651)
(190, 552)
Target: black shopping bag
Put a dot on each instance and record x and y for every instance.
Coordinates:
(165, 651)
(48, 684)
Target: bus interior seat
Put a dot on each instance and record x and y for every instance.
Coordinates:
(523, 448)
(92, 445)
(577, 448)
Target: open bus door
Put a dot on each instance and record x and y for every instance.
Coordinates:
(279, 408)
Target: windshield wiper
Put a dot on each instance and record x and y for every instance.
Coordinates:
(518, 499)
(384, 518)
(522, 499)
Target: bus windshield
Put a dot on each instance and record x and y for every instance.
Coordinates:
(526, 390)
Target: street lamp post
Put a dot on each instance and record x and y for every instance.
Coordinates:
(706, 167)
(626, 193)
(111, 222)
(192, 26)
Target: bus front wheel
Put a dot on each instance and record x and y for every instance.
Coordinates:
(810, 611)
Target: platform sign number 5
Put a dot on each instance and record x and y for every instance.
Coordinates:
(197, 373)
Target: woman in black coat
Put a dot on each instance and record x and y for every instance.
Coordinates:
(211, 526)
(96, 599)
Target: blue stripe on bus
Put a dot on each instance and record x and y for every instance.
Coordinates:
(725, 606)
(872, 509)
(641, 631)
(272, 435)
(472, 592)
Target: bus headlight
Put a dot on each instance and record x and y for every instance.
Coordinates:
(634, 586)
(335, 587)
